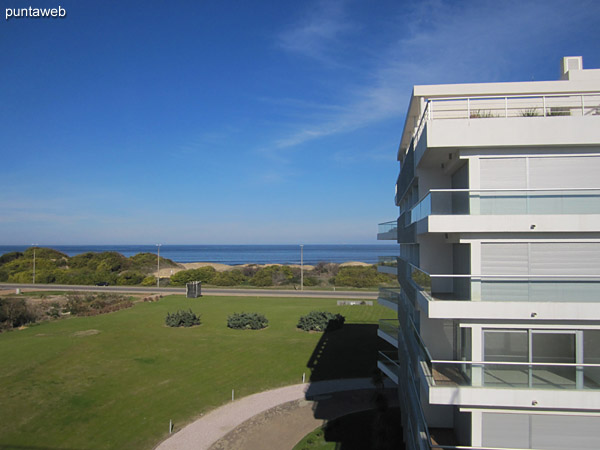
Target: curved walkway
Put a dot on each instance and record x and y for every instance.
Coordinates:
(287, 401)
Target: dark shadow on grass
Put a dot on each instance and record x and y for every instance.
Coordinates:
(363, 419)
(350, 352)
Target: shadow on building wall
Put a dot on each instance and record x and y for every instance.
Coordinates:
(359, 415)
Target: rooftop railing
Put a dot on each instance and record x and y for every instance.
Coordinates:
(550, 105)
(506, 202)
(506, 287)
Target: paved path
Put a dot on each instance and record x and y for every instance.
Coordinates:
(205, 291)
(287, 413)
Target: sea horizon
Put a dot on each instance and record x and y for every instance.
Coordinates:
(235, 254)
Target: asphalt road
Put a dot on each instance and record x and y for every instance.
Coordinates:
(205, 291)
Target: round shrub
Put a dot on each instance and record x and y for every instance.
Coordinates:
(247, 321)
(182, 319)
(321, 321)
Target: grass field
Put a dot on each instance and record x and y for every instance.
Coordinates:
(115, 381)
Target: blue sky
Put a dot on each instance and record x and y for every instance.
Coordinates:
(209, 122)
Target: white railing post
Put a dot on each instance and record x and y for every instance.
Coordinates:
(429, 110)
(468, 109)
(582, 106)
(505, 106)
(544, 112)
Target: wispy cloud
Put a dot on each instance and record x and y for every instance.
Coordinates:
(434, 42)
(318, 32)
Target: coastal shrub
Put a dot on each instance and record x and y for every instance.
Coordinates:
(150, 280)
(21, 277)
(272, 276)
(359, 276)
(147, 261)
(203, 274)
(233, 277)
(247, 321)
(44, 253)
(101, 262)
(10, 256)
(129, 278)
(75, 276)
(182, 319)
(90, 304)
(15, 312)
(311, 281)
(321, 321)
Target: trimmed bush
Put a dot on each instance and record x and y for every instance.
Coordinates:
(182, 319)
(321, 321)
(247, 321)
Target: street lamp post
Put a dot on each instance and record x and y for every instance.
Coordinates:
(158, 266)
(34, 245)
(301, 267)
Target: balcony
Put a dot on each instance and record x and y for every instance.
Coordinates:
(507, 107)
(388, 330)
(388, 264)
(389, 297)
(388, 363)
(449, 202)
(505, 288)
(388, 231)
(514, 375)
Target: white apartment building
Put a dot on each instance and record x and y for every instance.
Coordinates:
(498, 329)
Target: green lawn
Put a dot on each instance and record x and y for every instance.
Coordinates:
(64, 387)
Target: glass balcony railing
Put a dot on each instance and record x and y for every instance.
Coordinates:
(388, 262)
(390, 294)
(506, 202)
(390, 361)
(515, 288)
(389, 327)
(387, 227)
(515, 375)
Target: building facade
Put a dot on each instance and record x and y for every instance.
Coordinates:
(498, 329)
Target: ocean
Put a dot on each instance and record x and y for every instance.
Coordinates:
(236, 254)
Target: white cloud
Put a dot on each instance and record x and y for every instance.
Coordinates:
(435, 42)
(318, 32)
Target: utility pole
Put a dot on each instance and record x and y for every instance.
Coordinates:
(301, 267)
(34, 245)
(158, 266)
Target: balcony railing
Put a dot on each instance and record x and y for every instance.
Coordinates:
(391, 295)
(387, 227)
(515, 375)
(580, 104)
(388, 230)
(389, 327)
(388, 261)
(506, 201)
(516, 288)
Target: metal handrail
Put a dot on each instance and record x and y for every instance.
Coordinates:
(509, 363)
(502, 190)
(427, 112)
(500, 276)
